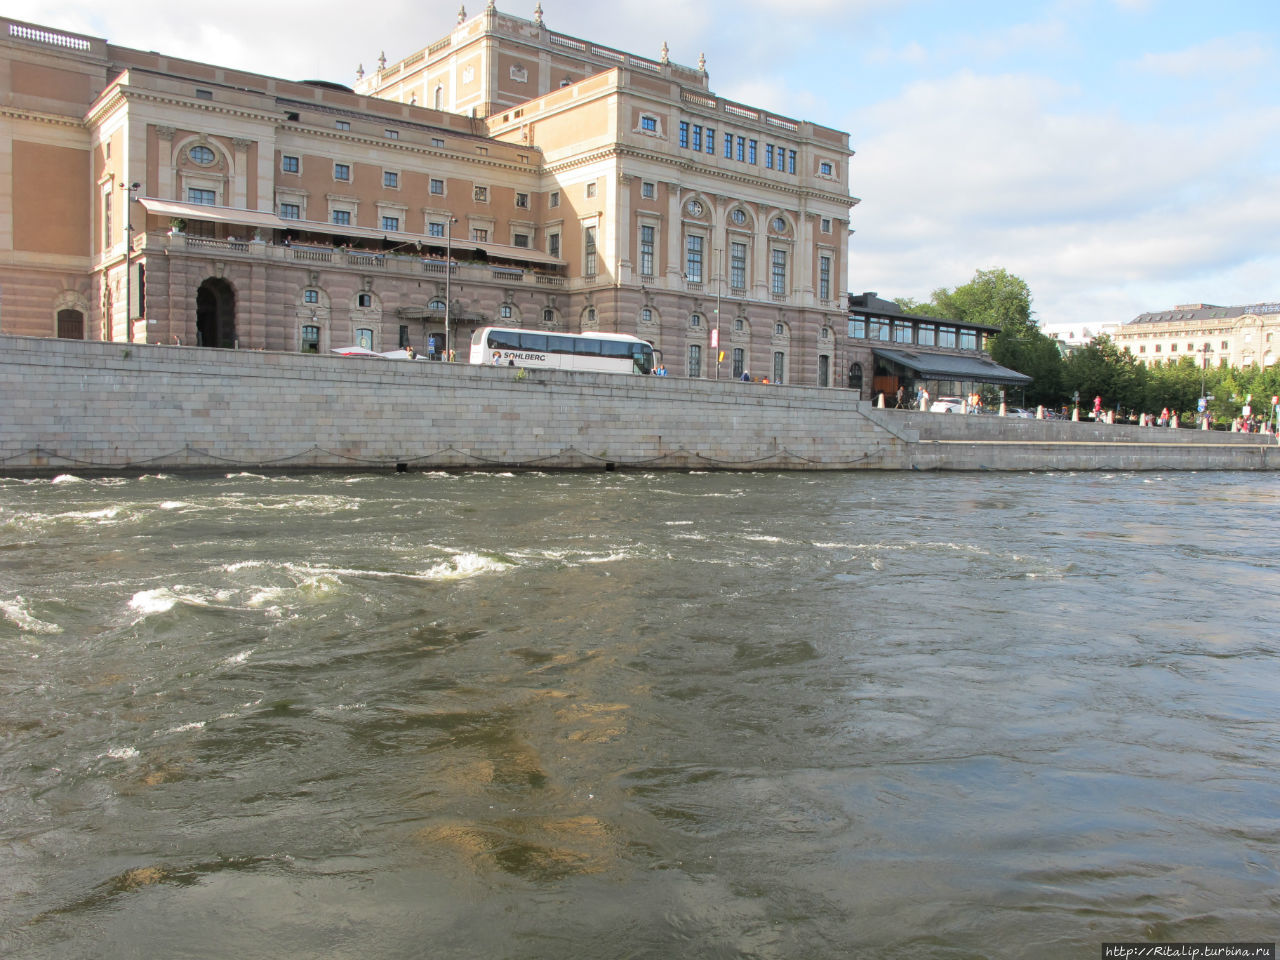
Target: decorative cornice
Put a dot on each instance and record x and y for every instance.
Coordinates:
(35, 116)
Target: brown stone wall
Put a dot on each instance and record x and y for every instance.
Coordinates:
(50, 199)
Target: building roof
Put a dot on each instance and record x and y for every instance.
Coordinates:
(951, 366)
(876, 305)
(1192, 312)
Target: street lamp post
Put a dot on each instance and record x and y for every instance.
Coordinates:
(1204, 366)
(129, 189)
(1205, 350)
(448, 273)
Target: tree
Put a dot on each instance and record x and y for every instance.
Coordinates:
(997, 298)
(1103, 369)
(994, 297)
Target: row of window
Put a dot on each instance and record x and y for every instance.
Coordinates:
(1192, 348)
(693, 366)
(436, 186)
(912, 332)
(700, 139)
(694, 262)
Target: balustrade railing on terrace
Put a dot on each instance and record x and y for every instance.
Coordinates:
(391, 262)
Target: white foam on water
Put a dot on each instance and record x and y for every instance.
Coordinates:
(173, 505)
(678, 523)
(66, 478)
(465, 565)
(17, 611)
(187, 727)
(236, 659)
(148, 602)
(608, 557)
(762, 538)
(266, 596)
(119, 753)
(242, 565)
(106, 513)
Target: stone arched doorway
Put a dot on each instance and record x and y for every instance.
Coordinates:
(70, 325)
(216, 314)
(855, 377)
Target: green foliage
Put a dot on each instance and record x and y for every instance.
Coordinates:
(1102, 369)
(997, 298)
(994, 297)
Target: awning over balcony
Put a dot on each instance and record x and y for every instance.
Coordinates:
(952, 366)
(259, 219)
(204, 211)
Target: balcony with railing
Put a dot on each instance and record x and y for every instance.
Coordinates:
(391, 262)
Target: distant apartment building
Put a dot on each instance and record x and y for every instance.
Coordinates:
(1242, 336)
(504, 174)
(1071, 337)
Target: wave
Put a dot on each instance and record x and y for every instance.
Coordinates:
(119, 753)
(18, 612)
(466, 565)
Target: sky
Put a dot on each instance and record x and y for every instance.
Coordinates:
(1120, 156)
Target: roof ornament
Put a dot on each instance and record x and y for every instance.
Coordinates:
(666, 53)
(462, 13)
(491, 8)
(537, 13)
(702, 63)
(360, 72)
(382, 61)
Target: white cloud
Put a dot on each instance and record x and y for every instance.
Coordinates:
(973, 172)
(1218, 57)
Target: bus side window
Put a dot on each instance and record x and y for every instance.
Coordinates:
(504, 340)
(533, 341)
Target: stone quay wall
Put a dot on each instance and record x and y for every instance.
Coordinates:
(82, 406)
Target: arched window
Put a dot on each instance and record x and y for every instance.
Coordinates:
(437, 305)
(855, 376)
(310, 338)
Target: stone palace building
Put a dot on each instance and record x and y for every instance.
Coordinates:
(504, 174)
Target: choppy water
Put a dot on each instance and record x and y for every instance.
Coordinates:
(619, 715)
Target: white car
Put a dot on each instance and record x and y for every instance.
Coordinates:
(947, 405)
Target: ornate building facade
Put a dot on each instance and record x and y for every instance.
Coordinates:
(505, 174)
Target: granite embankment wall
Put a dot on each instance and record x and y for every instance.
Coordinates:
(88, 406)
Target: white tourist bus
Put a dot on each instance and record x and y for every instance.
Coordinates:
(604, 352)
